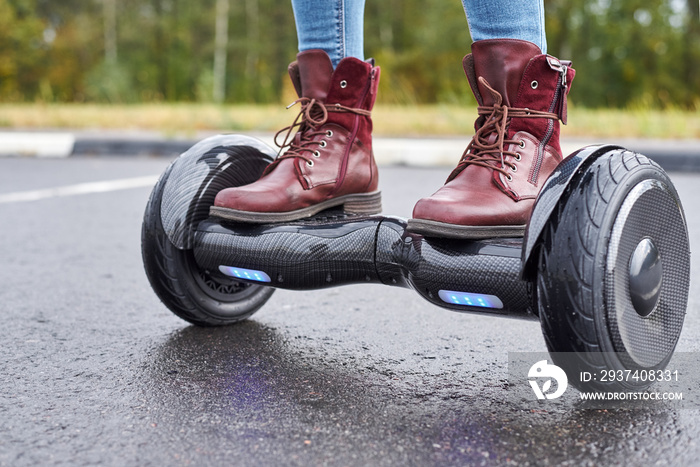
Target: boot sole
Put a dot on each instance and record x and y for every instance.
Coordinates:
(362, 204)
(467, 232)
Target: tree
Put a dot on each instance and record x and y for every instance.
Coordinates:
(23, 50)
(627, 52)
(220, 50)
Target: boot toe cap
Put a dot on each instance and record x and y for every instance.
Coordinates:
(242, 199)
(232, 198)
(477, 210)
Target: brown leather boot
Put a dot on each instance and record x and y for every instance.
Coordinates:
(522, 96)
(329, 161)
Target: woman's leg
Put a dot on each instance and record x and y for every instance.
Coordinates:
(335, 26)
(507, 19)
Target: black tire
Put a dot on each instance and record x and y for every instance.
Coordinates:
(186, 289)
(584, 293)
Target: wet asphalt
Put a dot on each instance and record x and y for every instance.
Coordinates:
(95, 370)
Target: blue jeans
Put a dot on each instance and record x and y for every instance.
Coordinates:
(336, 26)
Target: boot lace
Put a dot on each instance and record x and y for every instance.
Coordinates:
(484, 150)
(311, 117)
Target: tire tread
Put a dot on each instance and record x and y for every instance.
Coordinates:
(566, 309)
(163, 263)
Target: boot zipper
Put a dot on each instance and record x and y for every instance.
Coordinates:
(561, 84)
(353, 135)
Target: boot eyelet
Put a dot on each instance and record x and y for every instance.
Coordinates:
(343, 84)
(310, 163)
(522, 144)
(323, 143)
(514, 168)
(329, 133)
(509, 177)
(534, 84)
(518, 156)
(317, 154)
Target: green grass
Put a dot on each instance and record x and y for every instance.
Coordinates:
(389, 120)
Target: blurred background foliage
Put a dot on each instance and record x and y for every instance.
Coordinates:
(628, 53)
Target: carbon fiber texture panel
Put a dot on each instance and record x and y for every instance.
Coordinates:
(200, 173)
(391, 261)
(647, 341)
(295, 256)
(321, 253)
(489, 267)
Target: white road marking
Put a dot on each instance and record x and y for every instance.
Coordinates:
(79, 189)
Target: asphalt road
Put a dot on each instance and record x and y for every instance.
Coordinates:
(95, 370)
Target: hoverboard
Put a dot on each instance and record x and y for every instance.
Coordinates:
(604, 264)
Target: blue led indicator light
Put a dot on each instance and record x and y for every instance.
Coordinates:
(470, 299)
(242, 273)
